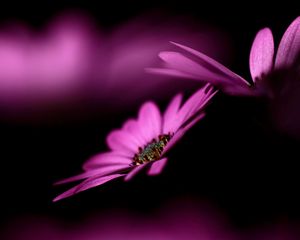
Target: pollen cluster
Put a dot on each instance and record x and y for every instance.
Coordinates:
(152, 151)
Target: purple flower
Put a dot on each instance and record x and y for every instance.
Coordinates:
(196, 65)
(142, 142)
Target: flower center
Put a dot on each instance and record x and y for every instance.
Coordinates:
(152, 151)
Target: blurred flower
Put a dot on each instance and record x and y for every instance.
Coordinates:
(73, 63)
(143, 142)
(278, 231)
(180, 221)
(49, 64)
(196, 65)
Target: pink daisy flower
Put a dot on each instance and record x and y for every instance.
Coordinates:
(142, 142)
(196, 65)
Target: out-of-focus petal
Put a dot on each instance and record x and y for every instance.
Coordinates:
(99, 172)
(132, 127)
(150, 121)
(262, 53)
(185, 65)
(106, 159)
(157, 167)
(171, 72)
(89, 183)
(213, 64)
(289, 47)
(121, 141)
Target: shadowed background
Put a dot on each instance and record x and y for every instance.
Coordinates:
(233, 159)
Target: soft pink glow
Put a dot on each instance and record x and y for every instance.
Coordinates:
(50, 64)
(174, 221)
(70, 60)
(180, 221)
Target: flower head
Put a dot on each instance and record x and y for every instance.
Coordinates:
(142, 142)
(196, 65)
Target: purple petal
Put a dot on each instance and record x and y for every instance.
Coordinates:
(103, 171)
(289, 47)
(122, 141)
(106, 159)
(194, 121)
(176, 137)
(132, 127)
(135, 171)
(196, 103)
(185, 65)
(262, 53)
(179, 134)
(157, 167)
(150, 121)
(171, 113)
(215, 65)
(89, 183)
(171, 72)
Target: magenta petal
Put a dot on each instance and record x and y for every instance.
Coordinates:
(209, 93)
(105, 159)
(135, 171)
(122, 141)
(262, 53)
(215, 65)
(289, 47)
(181, 63)
(171, 113)
(171, 72)
(133, 128)
(150, 121)
(194, 121)
(89, 183)
(157, 167)
(103, 171)
(177, 136)
(196, 102)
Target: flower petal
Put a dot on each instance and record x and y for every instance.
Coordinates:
(105, 159)
(171, 113)
(150, 121)
(262, 53)
(132, 127)
(215, 65)
(123, 142)
(135, 171)
(289, 47)
(89, 183)
(176, 137)
(103, 171)
(183, 64)
(194, 121)
(195, 103)
(171, 72)
(182, 130)
(157, 167)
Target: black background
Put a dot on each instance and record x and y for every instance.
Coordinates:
(233, 159)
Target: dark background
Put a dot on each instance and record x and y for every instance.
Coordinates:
(233, 159)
